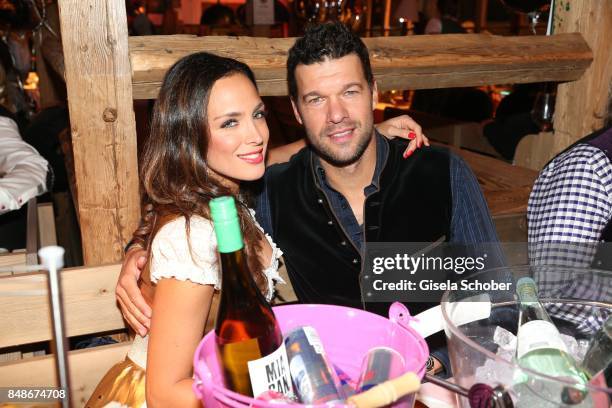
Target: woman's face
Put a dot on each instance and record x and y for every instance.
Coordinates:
(238, 130)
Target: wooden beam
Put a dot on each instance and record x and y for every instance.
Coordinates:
(368, 24)
(32, 232)
(534, 151)
(89, 304)
(410, 62)
(98, 79)
(87, 367)
(482, 8)
(581, 105)
(387, 19)
(13, 258)
(46, 225)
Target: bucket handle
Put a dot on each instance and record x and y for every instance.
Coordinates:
(425, 323)
(399, 314)
(431, 320)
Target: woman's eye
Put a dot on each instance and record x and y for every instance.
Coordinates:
(259, 114)
(229, 123)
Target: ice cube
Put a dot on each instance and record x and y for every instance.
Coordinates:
(575, 348)
(583, 347)
(504, 339)
(494, 372)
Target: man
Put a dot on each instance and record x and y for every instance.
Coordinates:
(24, 174)
(350, 185)
(570, 224)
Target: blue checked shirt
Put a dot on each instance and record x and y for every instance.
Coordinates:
(569, 206)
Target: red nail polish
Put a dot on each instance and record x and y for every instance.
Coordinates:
(411, 135)
(407, 154)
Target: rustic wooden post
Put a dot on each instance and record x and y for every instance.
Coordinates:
(482, 7)
(582, 104)
(99, 83)
(368, 24)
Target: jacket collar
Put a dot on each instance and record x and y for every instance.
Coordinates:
(382, 154)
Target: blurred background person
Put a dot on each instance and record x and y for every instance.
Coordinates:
(24, 174)
(141, 25)
(441, 17)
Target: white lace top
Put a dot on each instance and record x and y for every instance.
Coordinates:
(171, 258)
(174, 256)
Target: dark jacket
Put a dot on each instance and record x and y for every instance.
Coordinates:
(323, 264)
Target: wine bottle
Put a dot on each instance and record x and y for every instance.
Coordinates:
(249, 342)
(541, 348)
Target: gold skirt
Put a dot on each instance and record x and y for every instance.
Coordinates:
(124, 383)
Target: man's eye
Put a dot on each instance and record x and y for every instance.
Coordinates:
(229, 123)
(352, 92)
(315, 100)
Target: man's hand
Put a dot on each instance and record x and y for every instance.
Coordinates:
(434, 366)
(134, 308)
(405, 127)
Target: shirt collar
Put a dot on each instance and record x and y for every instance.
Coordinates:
(382, 152)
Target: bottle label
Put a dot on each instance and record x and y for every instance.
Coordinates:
(313, 339)
(538, 334)
(235, 357)
(314, 382)
(271, 373)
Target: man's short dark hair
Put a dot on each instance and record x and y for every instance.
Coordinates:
(322, 41)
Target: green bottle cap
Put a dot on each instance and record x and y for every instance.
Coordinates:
(526, 289)
(227, 225)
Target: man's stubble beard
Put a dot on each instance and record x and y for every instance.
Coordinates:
(364, 136)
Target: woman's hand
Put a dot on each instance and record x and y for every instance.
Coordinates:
(406, 128)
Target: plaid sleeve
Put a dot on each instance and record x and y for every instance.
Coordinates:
(569, 206)
(570, 203)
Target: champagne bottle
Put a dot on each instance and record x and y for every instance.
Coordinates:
(249, 342)
(541, 348)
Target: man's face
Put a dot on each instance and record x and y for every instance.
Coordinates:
(335, 104)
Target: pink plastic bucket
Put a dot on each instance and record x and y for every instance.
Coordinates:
(347, 334)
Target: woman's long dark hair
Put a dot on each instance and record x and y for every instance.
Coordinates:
(174, 173)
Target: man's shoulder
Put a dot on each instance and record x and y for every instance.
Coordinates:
(587, 153)
(580, 158)
(399, 145)
(434, 157)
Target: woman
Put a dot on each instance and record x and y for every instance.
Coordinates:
(208, 134)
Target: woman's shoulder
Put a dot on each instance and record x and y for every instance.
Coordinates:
(177, 226)
(182, 254)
